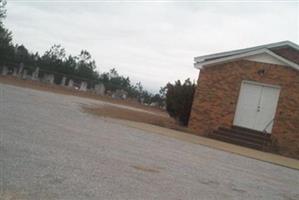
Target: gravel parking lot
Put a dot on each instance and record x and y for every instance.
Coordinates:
(50, 149)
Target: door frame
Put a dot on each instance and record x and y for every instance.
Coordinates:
(259, 84)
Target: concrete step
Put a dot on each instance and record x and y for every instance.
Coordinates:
(239, 136)
(250, 131)
(246, 134)
(237, 141)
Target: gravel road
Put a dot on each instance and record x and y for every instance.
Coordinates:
(50, 149)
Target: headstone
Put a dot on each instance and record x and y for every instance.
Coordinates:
(71, 83)
(120, 94)
(20, 71)
(48, 78)
(4, 70)
(99, 89)
(35, 74)
(63, 80)
(83, 86)
(24, 75)
(51, 78)
(109, 92)
(21, 68)
(15, 71)
(154, 104)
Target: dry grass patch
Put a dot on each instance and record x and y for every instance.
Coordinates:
(159, 118)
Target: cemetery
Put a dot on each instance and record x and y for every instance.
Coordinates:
(51, 78)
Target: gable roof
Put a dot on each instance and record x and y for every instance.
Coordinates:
(270, 49)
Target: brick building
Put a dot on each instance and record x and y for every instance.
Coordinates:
(247, 95)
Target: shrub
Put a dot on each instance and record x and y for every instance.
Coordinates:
(179, 98)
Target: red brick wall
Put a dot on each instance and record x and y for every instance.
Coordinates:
(217, 94)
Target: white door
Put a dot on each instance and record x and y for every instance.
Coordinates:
(256, 106)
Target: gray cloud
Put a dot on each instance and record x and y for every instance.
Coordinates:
(151, 42)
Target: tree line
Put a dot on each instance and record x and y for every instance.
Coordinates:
(56, 60)
(177, 97)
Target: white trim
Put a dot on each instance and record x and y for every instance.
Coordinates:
(241, 51)
(239, 56)
(261, 84)
(264, 58)
(290, 63)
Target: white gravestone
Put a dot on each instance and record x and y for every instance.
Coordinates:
(99, 89)
(63, 80)
(83, 86)
(15, 71)
(4, 70)
(24, 75)
(35, 74)
(71, 83)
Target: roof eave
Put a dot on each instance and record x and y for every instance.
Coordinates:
(203, 64)
(241, 51)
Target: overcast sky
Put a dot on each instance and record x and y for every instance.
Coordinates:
(151, 42)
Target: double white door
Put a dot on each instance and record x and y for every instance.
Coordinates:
(256, 106)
